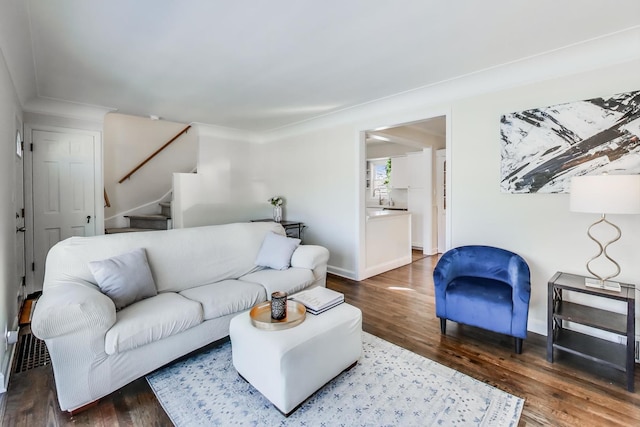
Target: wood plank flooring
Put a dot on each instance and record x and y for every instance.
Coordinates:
(397, 306)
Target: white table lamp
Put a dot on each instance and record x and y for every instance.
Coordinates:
(605, 194)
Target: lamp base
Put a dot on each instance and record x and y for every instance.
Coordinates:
(602, 284)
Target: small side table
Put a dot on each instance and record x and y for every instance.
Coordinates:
(292, 228)
(614, 355)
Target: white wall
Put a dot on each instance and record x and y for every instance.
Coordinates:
(229, 185)
(10, 112)
(236, 176)
(317, 174)
(538, 226)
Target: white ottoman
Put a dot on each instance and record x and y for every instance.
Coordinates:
(288, 366)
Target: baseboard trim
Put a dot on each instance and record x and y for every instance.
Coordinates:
(342, 272)
(537, 326)
(5, 369)
(390, 265)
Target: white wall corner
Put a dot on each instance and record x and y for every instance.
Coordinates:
(342, 272)
(537, 326)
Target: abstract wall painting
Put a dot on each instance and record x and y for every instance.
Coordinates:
(543, 148)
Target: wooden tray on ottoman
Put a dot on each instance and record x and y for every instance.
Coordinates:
(261, 316)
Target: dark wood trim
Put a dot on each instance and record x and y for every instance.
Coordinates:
(107, 202)
(83, 408)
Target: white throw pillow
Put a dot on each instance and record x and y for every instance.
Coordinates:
(125, 278)
(276, 251)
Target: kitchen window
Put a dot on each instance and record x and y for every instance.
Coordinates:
(380, 170)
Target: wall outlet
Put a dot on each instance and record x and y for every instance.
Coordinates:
(9, 338)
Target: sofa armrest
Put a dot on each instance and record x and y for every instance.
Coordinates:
(310, 256)
(69, 307)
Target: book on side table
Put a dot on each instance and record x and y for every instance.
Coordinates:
(319, 299)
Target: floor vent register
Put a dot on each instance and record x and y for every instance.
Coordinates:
(32, 353)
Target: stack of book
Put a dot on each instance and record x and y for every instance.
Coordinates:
(319, 299)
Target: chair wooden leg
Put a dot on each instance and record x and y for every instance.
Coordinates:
(518, 345)
(443, 326)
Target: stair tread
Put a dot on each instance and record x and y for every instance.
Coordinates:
(127, 230)
(152, 217)
(166, 204)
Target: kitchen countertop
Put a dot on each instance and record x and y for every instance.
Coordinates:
(387, 207)
(386, 213)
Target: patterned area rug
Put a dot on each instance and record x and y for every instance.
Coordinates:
(390, 386)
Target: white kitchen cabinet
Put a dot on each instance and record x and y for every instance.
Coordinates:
(399, 172)
(388, 243)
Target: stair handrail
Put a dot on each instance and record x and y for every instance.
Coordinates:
(107, 203)
(155, 153)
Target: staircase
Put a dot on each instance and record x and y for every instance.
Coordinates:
(148, 222)
(152, 222)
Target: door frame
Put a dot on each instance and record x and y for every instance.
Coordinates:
(20, 192)
(29, 128)
(361, 167)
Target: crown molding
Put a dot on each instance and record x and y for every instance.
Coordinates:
(611, 49)
(67, 110)
(234, 134)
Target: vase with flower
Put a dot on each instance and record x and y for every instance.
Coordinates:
(277, 202)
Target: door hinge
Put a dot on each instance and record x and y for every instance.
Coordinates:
(24, 281)
(22, 212)
(33, 266)
(31, 147)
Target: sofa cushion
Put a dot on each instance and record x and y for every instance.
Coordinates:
(125, 278)
(151, 320)
(289, 281)
(226, 297)
(276, 251)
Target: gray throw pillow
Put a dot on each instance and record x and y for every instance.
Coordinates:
(125, 278)
(276, 251)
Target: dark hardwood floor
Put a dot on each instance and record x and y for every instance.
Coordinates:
(397, 306)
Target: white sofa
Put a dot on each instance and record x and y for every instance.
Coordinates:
(204, 277)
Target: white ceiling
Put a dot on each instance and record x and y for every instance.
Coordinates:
(260, 65)
(424, 133)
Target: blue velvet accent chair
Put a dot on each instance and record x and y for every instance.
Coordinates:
(486, 287)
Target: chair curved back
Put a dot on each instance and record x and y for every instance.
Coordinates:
(475, 262)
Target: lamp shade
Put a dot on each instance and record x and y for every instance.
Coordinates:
(605, 194)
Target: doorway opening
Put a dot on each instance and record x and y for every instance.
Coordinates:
(416, 157)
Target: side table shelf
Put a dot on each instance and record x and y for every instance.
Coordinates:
(614, 355)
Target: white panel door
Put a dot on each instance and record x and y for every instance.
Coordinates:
(63, 191)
